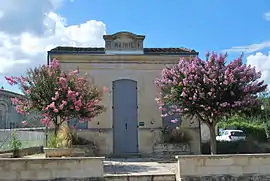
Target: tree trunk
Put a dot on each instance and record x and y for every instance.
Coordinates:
(56, 128)
(213, 142)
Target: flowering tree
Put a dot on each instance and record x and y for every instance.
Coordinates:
(209, 89)
(58, 95)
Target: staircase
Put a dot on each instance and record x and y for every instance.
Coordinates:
(138, 169)
(152, 177)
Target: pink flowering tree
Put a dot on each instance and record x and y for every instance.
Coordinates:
(209, 89)
(58, 95)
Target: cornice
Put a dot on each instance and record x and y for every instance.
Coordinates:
(120, 59)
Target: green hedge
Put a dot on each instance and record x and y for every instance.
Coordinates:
(239, 147)
(255, 130)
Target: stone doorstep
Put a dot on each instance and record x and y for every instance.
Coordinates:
(140, 177)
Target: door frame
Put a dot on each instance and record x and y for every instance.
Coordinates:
(113, 120)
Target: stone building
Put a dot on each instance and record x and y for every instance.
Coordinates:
(132, 122)
(9, 118)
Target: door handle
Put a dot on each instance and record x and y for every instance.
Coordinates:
(126, 126)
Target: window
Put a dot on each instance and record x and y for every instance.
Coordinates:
(237, 133)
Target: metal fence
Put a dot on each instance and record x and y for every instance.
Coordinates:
(29, 137)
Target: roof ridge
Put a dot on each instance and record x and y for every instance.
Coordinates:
(102, 49)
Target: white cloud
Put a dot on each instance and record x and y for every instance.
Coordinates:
(249, 48)
(262, 63)
(252, 47)
(267, 16)
(29, 28)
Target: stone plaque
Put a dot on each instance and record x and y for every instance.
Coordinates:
(124, 41)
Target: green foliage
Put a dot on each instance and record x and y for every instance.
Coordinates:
(15, 143)
(253, 128)
(52, 141)
(63, 139)
(174, 135)
(239, 147)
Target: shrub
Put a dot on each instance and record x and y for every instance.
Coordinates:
(174, 135)
(64, 138)
(15, 144)
(52, 141)
(254, 130)
(239, 147)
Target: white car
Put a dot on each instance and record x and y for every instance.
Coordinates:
(231, 135)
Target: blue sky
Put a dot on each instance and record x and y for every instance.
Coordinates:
(203, 25)
(235, 26)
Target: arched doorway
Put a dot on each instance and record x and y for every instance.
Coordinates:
(3, 115)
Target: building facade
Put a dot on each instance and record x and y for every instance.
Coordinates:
(132, 121)
(9, 118)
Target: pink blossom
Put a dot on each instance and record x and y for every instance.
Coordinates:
(52, 105)
(174, 121)
(210, 88)
(56, 93)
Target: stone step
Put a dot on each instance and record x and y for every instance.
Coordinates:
(139, 177)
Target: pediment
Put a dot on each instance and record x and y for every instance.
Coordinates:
(123, 35)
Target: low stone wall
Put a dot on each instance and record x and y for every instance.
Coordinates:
(170, 150)
(223, 167)
(27, 151)
(130, 177)
(84, 150)
(74, 168)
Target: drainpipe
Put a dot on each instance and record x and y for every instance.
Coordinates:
(46, 130)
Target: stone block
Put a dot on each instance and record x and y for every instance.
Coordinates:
(256, 160)
(250, 169)
(264, 169)
(241, 161)
(219, 161)
(59, 173)
(44, 174)
(50, 164)
(235, 170)
(16, 164)
(8, 175)
(34, 166)
(218, 170)
(79, 173)
(28, 174)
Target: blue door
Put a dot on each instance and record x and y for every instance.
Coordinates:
(125, 118)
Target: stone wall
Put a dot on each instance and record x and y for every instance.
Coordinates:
(51, 168)
(27, 151)
(170, 150)
(102, 71)
(223, 167)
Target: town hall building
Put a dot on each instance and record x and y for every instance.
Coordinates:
(132, 122)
